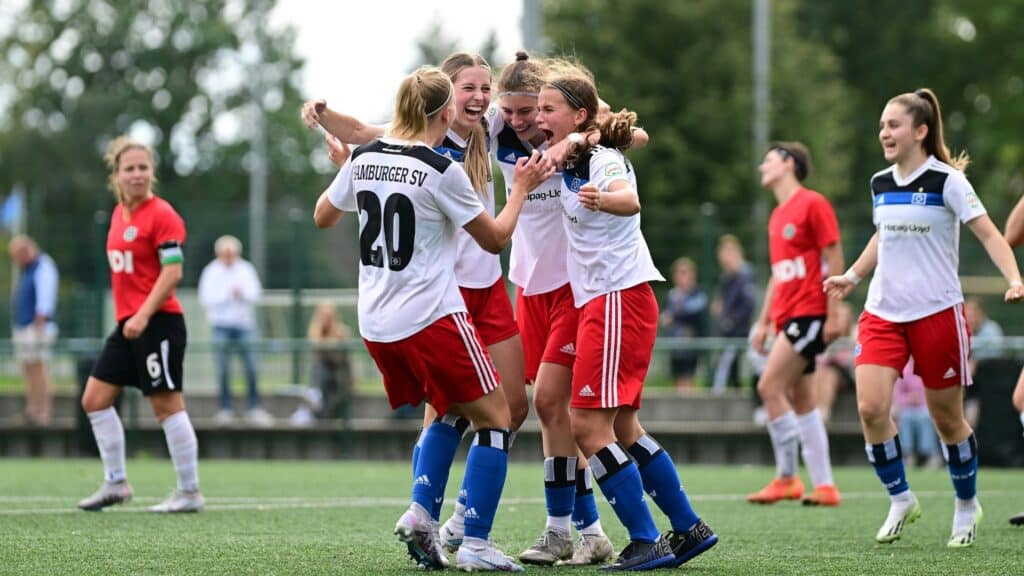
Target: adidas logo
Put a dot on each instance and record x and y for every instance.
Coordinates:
(423, 480)
(611, 501)
(586, 392)
(569, 348)
(653, 493)
(471, 513)
(511, 158)
(949, 374)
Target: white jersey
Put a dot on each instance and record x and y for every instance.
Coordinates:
(474, 266)
(537, 264)
(411, 201)
(606, 252)
(918, 220)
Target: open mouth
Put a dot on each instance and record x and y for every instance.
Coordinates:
(548, 134)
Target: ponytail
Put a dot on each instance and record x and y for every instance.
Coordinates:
(421, 96)
(923, 106)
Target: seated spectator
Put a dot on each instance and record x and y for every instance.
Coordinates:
(682, 316)
(34, 327)
(229, 288)
(733, 307)
(331, 383)
(910, 410)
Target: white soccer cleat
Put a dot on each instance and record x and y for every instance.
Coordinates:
(451, 533)
(549, 548)
(418, 531)
(485, 558)
(180, 501)
(900, 514)
(590, 549)
(965, 525)
(109, 493)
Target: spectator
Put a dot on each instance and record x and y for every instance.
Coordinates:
(683, 317)
(910, 410)
(34, 328)
(330, 388)
(229, 289)
(835, 365)
(733, 307)
(986, 333)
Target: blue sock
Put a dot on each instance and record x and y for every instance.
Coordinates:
(584, 511)
(560, 485)
(485, 478)
(962, 460)
(887, 458)
(416, 451)
(437, 451)
(661, 482)
(619, 479)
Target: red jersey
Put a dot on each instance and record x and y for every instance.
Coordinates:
(138, 248)
(797, 232)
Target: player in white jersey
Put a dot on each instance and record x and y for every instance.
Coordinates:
(1015, 237)
(609, 268)
(411, 200)
(915, 304)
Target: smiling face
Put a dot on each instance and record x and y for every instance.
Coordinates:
(134, 175)
(555, 117)
(896, 131)
(472, 97)
(520, 112)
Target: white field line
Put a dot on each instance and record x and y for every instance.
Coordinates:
(299, 503)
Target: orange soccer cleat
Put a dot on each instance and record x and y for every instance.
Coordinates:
(778, 489)
(823, 495)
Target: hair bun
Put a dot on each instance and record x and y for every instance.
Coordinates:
(522, 56)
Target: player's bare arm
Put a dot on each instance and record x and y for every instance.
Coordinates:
(1000, 253)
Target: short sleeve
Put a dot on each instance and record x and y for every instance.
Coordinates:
(169, 236)
(961, 198)
(824, 222)
(339, 193)
(456, 197)
(607, 166)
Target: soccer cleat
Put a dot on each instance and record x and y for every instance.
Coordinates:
(549, 548)
(181, 501)
(1017, 520)
(638, 556)
(778, 489)
(416, 530)
(590, 549)
(900, 514)
(451, 533)
(823, 495)
(484, 558)
(688, 545)
(109, 493)
(964, 536)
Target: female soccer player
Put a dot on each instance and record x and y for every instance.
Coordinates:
(609, 269)
(915, 304)
(147, 348)
(412, 316)
(1015, 237)
(803, 237)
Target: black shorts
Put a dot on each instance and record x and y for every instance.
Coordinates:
(806, 334)
(152, 362)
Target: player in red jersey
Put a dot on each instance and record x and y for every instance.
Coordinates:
(803, 238)
(147, 348)
(1015, 237)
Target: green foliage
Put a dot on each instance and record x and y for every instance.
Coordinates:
(183, 74)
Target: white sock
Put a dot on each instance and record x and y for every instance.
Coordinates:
(814, 446)
(471, 543)
(184, 449)
(563, 524)
(903, 498)
(594, 529)
(109, 433)
(785, 442)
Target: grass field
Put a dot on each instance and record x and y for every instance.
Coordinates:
(336, 518)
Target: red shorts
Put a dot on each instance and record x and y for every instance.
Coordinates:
(444, 363)
(491, 311)
(613, 348)
(940, 345)
(548, 323)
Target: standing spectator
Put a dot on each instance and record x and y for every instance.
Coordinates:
(331, 375)
(34, 329)
(985, 333)
(229, 289)
(733, 307)
(683, 317)
(910, 409)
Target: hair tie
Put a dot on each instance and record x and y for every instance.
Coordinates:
(447, 99)
(569, 97)
(513, 93)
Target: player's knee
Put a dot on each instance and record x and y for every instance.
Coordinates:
(872, 411)
(767, 388)
(550, 410)
(518, 414)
